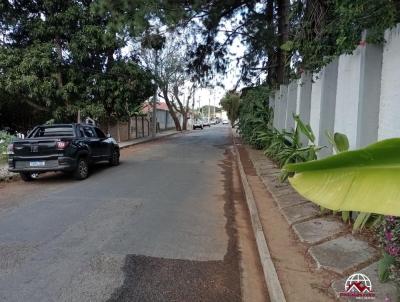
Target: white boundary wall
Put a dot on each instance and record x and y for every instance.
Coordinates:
(291, 105)
(276, 110)
(303, 100)
(356, 94)
(315, 104)
(348, 95)
(282, 107)
(389, 110)
(357, 97)
(322, 104)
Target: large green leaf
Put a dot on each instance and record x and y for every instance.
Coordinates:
(365, 180)
(384, 265)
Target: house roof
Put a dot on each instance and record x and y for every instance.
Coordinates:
(160, 106)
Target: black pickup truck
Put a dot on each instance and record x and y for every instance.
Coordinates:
(69, 148)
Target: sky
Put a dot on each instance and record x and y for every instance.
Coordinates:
(229, 80)
(213, 94)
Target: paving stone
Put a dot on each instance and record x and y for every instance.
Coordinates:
(342, 254)
(282, 190)
(300, 212)
(264, 163)
(271, 173)
(290, 200)
(276, 182)
(383, 291)
(319, 229)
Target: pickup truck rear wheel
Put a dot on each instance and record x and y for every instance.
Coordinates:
(114, 159)
(26, 176)
(82, 169)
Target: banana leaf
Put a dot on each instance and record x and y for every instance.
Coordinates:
(364, 180)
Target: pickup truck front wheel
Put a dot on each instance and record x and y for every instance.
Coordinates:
(114, 159)
(82, 169)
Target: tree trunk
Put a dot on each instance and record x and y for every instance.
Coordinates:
(283, 36)
(184, 121)
(185, 115)
(172, 112)
(271, 52)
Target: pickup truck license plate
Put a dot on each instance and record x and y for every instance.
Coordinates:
(37, 163)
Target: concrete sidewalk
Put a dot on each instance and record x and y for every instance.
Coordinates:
(141, 140)
(327, 239)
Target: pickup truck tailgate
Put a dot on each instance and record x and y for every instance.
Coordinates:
(35, 147)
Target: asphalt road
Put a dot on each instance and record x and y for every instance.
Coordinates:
(159, 227)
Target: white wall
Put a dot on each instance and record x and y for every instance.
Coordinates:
(303, 100)
(291, 105)
(389, 110)
(271, 101)
(348, 95)
(370, 90)
(357, 96)
(323, 100)
(315, 110)
(282, 95)
(328, 104)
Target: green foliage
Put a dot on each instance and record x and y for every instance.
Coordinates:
(384, 267)
(389, 234)
(255, 126)
(322, 30)
(317, 31)
(5, 140)
(255, 117)
(353, 180)
(230, 103)
(286, 147)
(67, 57)
(339, 141)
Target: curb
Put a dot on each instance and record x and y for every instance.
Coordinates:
(271, 277)
(152, 139)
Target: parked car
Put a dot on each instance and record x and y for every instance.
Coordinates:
(198, 124)
(206, 123)
(225, 122)
(61, 147)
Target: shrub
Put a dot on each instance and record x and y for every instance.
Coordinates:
(5, 139)
(389, 265)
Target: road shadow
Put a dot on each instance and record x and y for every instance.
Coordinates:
(158, 279)
(58, 177)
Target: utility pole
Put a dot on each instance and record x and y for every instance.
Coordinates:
(198, 102)
(154, 113)
(209, 109)
(214, 104)
(194, 98)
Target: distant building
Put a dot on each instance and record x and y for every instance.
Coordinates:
(223, 115)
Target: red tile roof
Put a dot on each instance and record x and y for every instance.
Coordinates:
(160, 106)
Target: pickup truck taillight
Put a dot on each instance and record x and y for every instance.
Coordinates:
(10, 149)
(61, 145)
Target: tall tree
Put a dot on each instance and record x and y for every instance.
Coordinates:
(172, 75)
(61, 57)
(231, 103)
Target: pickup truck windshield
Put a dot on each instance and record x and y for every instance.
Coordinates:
(53, 131)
